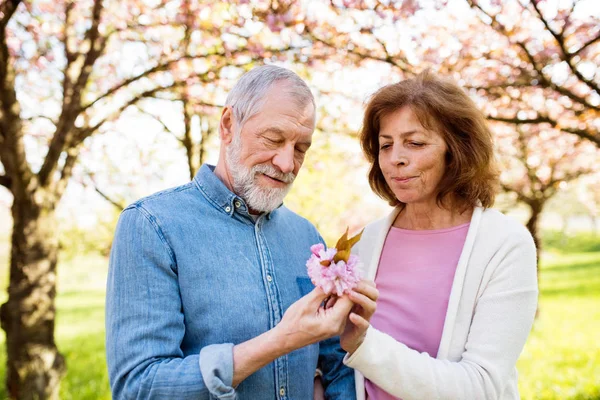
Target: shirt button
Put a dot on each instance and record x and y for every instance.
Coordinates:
(282, 392)
(227, 208)
(270, 279)
(237, 204)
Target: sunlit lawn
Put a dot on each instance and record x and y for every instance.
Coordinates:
(560, 361)
(79, 328)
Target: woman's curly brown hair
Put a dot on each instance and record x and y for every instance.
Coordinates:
(444, 107)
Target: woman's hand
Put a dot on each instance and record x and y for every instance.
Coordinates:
(364, 296)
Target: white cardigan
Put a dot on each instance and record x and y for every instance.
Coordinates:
(490, 312)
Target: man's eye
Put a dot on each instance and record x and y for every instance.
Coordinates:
(273, 141)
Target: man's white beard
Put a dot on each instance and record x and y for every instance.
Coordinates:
(261, 199)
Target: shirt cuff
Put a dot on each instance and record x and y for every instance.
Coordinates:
(216, 367)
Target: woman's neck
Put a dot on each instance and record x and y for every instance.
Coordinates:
(431, 217)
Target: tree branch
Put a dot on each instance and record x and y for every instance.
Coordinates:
(97, 46)
(148, 93)
(67, 171)
(5, 181)
(568, 57)
(34, 117)
(6, 11)
(544, 80)
(12, 151)
(586, 45)
(541, 119)
(518, 121)
(551, 85)
(568, 18)
(69, 55)
(85, 133)
(160, 121)
(92, 182)
(115, 203)
(406, 68)
(63, 136)
(159, 68)
(520, 196)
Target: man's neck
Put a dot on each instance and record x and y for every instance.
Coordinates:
(222, 172)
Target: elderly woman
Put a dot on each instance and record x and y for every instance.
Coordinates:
(456, 281)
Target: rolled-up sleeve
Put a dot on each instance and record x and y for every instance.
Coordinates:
(145, 322)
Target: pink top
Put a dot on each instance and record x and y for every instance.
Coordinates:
(414, 278)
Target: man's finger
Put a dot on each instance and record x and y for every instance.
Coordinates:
(315, 297)
(342, 306)
(330, 301)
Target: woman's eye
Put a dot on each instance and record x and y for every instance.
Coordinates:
(384, 146)
(416, 144)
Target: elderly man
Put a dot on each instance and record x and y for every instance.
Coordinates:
(208, 295)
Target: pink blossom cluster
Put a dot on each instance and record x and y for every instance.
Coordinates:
(276, 22)
(333, 277)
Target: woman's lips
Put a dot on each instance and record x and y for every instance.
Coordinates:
(403, 179)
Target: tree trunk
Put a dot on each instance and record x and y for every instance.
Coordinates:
(34, 365)
(532, 226)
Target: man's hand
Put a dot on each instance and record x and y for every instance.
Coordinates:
(305, 322)
(364, 297)
(308, 321)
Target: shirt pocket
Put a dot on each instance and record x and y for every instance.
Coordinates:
(304, 285)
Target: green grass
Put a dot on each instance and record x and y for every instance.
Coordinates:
(79, 328)
(561, 359)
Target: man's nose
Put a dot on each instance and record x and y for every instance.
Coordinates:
(284, 159)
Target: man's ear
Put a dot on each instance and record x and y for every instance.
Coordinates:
(226, 125)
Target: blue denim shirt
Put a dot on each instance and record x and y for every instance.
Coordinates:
(191, 275)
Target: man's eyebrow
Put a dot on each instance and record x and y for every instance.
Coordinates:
(272, 129)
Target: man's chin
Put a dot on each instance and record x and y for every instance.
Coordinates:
(266, 201)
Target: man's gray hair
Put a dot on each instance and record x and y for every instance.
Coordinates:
(248, 95)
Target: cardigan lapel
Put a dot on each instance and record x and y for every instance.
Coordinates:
(375, 245)
(457, 285)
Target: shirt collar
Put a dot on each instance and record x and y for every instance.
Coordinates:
(217, 193)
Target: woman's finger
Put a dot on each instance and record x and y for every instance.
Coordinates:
(368, 282)
(368, 290)
(368, 306)
(359, 321)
